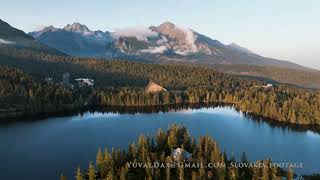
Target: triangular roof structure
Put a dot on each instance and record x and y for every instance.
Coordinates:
(154, 88)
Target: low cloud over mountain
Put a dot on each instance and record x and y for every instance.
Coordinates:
(160, 44)
(2, 41)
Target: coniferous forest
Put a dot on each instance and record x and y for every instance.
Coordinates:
(152, 158)
(121, 83)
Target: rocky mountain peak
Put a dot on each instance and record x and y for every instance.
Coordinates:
(170, 29)
(38, 33)
(167, 25)
(50, 29)
(181, 40)
(76, 27)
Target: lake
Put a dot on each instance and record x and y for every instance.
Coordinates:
(43, 149)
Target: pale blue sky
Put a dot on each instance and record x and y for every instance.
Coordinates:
(282, 29)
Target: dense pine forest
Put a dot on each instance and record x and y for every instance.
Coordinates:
(284, 75)
(158, 160)
(122, 83)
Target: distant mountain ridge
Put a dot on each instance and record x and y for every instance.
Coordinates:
(12, 37)
(75, 39)
(9, 33)
(76, 27)
(166, 43)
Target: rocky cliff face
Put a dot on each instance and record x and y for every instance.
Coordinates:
(178, 39)
(76, 27)
(75, 39)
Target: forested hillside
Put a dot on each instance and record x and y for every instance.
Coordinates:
(122, 83)
(170, 44)
(309, 79)
(21, 95)
(12, 37)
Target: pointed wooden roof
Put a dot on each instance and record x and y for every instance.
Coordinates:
(154, 88)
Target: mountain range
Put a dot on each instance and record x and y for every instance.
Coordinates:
(13, 37)
(75, 40)
(165, 43)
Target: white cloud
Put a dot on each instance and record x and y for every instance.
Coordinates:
(185, 52)
(2, 41)
(162, 40)
(155, 50)
(87, 33)
(191, 39)
(141, 33)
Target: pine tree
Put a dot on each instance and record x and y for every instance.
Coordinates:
(255, 173)
(194, 175)
(110, 175)
(163, 156)
(232, 174)
(186, 140)
(181, 172)
(273, 172)
(210, 175)
(161, 139)
(244, 158)
(104, 168)
(232, 158)
(265, 171)
(106, 156)
(193, 145)
(220, 173)
(290, 173)
(201, 171)
(168, 160)
(31, 94)
(123, 173)
(221, 170)
(172, 139)
(91, 172)
(157, 173)
(142, 143)
(132, 151)
(79, 175)
(293, 117)
(63, 177)
(99, 158)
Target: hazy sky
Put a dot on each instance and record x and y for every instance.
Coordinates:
(282, 29)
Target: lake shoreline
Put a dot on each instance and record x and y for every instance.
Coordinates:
(153, 109)
(68, 142)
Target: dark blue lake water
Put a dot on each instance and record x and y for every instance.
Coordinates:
(43, 149)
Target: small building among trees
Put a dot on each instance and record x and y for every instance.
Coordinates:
(268, 86)
(49, 80)
(154, 88)
(181, 154)
(85, 82)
